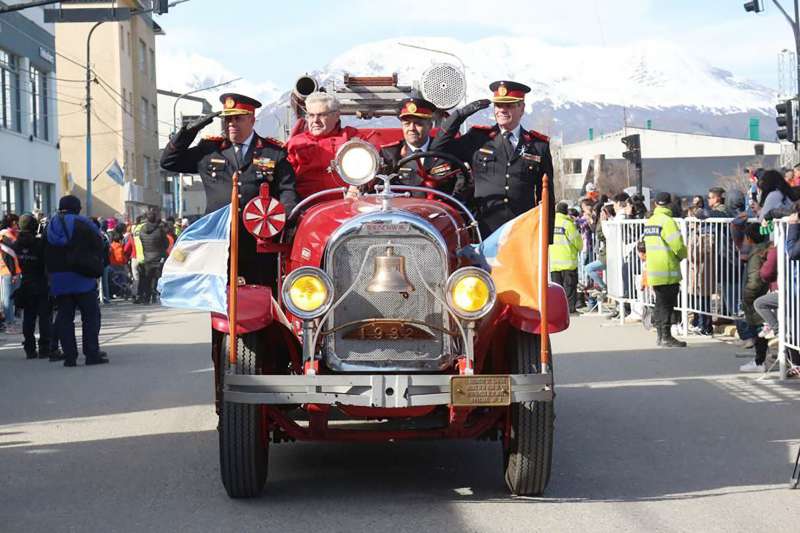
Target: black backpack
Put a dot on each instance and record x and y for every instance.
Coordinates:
(86, 260)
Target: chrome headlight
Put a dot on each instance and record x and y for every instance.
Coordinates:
(470, 293)
(307, 292)
(357, 162)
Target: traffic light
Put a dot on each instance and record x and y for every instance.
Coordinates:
(634, 152)
(754, 6)
(787, 120)
(160, 6)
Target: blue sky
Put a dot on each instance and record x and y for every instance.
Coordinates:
(271, 42)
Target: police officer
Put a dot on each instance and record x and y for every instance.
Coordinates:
(665, 250)
(416, 121)
(507, 161)
(257, 159)
(567, 244)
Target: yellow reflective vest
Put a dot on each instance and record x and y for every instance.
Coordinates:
(665, 248)
(567, 244)
(137, 241)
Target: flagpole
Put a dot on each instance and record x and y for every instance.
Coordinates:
(233, 279)
(544, 267)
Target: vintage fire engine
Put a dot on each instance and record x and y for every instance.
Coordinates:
(380, 330)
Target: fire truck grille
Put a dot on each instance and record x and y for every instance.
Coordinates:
(350, 348)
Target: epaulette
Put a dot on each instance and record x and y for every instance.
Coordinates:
(274, 141)
(540, 136)
(482, 127)
(391, 144)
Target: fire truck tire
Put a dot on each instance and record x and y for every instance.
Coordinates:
(530, 452)
(243, 451)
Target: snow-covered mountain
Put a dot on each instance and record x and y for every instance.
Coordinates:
(574, 88)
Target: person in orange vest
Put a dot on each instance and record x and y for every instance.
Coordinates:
(9, 269)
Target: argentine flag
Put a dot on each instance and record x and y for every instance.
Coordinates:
(195, 275)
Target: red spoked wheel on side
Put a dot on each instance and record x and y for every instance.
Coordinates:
(264, 217)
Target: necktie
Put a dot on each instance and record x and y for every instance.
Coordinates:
(507, 145)
(237, 149)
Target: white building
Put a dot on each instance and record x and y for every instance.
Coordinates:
(679, 163)
(174, 111)
(29, 158)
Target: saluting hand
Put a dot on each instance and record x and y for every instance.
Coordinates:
(474, 107)
(202, 122)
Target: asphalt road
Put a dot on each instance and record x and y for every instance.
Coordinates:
(646, 440)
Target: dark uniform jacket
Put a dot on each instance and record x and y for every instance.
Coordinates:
(216, 162)
(410, 173)
(505, 182)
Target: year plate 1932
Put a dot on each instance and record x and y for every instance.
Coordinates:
(480, 391)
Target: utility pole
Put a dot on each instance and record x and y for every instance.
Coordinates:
(89, 120)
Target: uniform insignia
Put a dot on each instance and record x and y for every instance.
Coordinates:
(229, 103)
(502, 91)
(214, 161)
(274, 141)
(259, 144)
(531, 157)
(264, 164)
(411, 107)
(487, 151)
(440, 170)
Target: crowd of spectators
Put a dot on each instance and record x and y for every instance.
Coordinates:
(747, 290)
(53, 266)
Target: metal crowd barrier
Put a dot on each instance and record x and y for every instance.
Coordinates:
(788, 301)
(712, 274)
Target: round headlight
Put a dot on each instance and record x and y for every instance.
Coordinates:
(470, 293)
(357, 162)
(307, 292)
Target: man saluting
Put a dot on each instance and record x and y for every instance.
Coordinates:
(257, 159)
(507, 161)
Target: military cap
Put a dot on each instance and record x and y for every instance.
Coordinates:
(238, 104)
(508, 92)
(416, 107)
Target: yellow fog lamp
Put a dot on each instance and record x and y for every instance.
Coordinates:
(470, 293)
(308, 292)
(357, 162)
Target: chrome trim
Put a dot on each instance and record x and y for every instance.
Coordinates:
(368, 390)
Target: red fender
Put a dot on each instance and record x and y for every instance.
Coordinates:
(254, 311)
(528, 320)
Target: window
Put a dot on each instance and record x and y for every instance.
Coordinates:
(145, 172)
(124, 100)
(142, 57)
(572, 166)
(9, 92)
(152, 65)
(155, 119)
(11, 195)
(43, 196)
(145, 109)
(38, 103)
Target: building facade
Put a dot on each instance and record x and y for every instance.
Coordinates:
(124, 129)
(684, 164)
(29, 160)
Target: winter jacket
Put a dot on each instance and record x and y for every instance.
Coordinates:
(154, 242)
(85, 237)
(665, 248)
(30, 252)
(769, 270)
(754, 285)
(311, 158)
(774, 200)
(567, 244)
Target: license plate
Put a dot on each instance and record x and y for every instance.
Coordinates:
(480, 391)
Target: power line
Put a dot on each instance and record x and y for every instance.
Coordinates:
(20, 7)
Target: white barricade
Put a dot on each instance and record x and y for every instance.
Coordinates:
(788, 301)
(712, 274)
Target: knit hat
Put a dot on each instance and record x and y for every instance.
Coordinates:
(70, 204)
(663, 198)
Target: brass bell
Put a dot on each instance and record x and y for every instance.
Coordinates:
(390, 274)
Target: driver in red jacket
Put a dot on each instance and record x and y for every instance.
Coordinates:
(310, 152)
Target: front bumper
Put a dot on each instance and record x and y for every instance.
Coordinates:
(375, 390)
